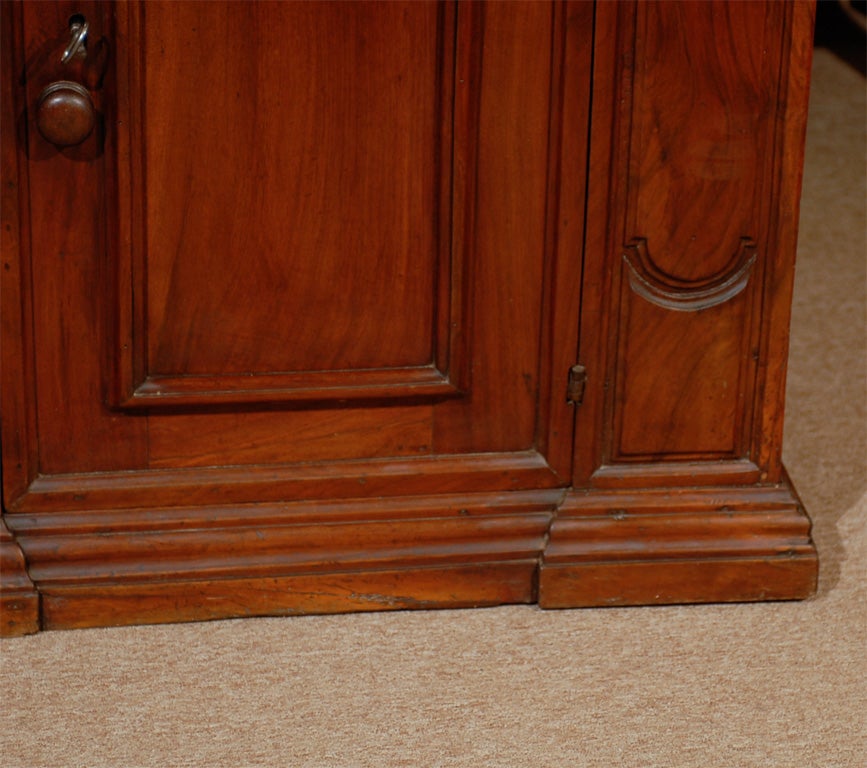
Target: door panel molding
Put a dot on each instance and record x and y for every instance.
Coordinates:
(169, 355)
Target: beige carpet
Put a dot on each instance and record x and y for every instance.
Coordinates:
(760, 685)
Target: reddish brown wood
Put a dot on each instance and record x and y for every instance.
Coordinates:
(785, 192)
(645, 547)
(567, 198)
(126, 566)
(19, 443)
(696, 580)
(680, 257)
(314, 480)
(291, 331)
(197, 405)
(699, 111)
(445, 586)
(258, 540)
(684, 239)
(19, 599)
(508, 236)
(65, 114)
(68, 262)
(337, 203)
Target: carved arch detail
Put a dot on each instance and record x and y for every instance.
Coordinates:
(663, 290)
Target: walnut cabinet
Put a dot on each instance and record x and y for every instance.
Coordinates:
(321, 307)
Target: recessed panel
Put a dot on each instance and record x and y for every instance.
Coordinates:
(701, 133)
(680, 381)
(290, 209)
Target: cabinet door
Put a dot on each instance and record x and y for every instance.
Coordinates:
(308, 251)
(697, 145)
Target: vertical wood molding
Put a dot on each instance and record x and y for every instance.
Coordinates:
(569, 137)
(785, 191)
(19, 460)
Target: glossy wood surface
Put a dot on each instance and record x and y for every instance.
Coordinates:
(163, 379)
(291, 331)
(688, 261)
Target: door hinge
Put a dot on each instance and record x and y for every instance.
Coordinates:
(577, 383)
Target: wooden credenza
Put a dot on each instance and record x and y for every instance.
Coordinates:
(321, 307)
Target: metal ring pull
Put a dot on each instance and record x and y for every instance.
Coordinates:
(78, 32)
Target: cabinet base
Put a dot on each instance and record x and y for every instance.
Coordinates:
(132, 566)
(560, 548)
(482, 585)
(691, 546)
(19, 600)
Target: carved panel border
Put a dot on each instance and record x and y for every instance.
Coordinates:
(133, 385)
(649, 282)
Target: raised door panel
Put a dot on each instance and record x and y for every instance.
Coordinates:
(295, 188)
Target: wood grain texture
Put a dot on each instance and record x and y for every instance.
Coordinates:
(19, 598)
(785, 192)
(704, 79)
(266, 540)
(508, 235)
(681, 232)
(123, 566)
(568, 145)
(67, 259)
(680, 388)
(305, 480)
(715, 580)
(326, 224)
(224, 439)
(482, 285)
(446, 586)
(654, 547)
(19, 440)
(322, 141)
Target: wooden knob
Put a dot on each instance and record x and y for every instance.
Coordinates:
(64, 113)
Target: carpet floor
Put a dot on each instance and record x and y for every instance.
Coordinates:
(764, 685)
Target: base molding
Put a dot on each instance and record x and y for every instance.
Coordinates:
(562, 549)
(132, 566)
(19, 600)
(660, 546)
(444, 586)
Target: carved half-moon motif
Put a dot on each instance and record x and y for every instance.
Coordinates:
(659, 288)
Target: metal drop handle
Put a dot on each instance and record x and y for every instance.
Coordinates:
(77, 39)
(65, 115)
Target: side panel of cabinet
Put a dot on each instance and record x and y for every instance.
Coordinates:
(699, 113)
